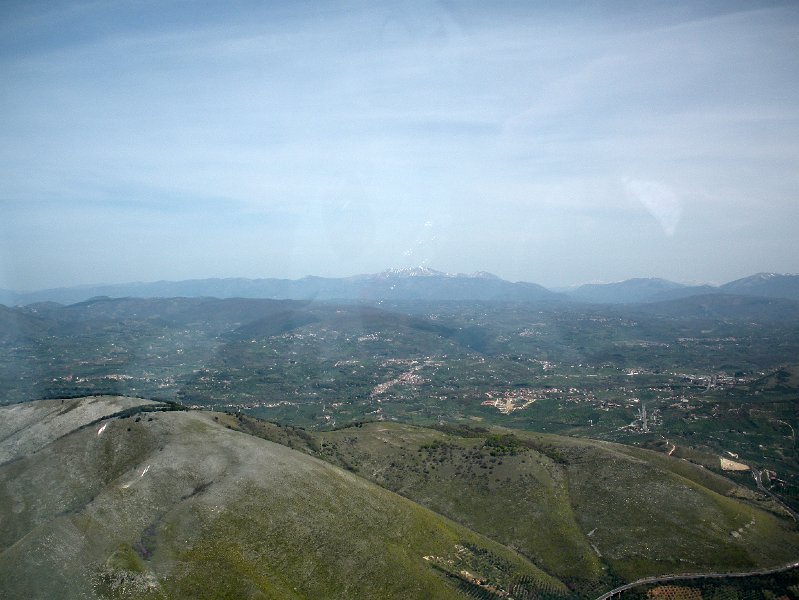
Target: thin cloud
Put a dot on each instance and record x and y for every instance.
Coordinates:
(511, 127)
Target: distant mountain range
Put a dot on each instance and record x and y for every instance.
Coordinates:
(763, 285)
(631, 290)
(395, 284)
(415, 284)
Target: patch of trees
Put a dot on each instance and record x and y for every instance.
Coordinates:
(462, 430)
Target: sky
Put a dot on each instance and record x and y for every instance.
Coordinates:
(559, 143)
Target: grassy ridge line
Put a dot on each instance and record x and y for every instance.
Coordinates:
(675, 517)
(483, 484)
(680, 466)
(648, 514)
(188, 508)
(28, 426)
(705, 477)
(299, 439)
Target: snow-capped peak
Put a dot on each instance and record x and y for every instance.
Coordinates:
(413, 272)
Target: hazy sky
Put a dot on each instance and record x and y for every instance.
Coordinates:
(585, 142)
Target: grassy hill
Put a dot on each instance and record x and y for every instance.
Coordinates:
(124, 498)
(585, 511)
(178, 505)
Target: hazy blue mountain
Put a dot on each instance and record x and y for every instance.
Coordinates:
(412, 284)
(192, 288)
(622, 292)
(17, 324)
(394, 284)
(683, 292)
(426, 284)
(724, 306)
(766, 285)
(770, 285)
(211, 314)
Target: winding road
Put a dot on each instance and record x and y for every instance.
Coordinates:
(758, 475)
(667, 578)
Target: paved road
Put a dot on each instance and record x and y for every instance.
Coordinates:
(758, 475)
(667, 578)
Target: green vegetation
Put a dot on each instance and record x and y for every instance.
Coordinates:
(178, 505)
(586, 511)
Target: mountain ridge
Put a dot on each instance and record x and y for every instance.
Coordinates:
(420, 283)
(176, 504)
(646, 290)
(417, 283)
